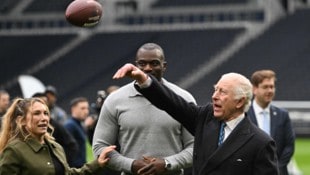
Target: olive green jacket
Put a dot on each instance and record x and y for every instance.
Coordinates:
(32, 158)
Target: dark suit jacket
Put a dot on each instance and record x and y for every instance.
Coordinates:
(282, 132)
(65, 139)
(247, 150)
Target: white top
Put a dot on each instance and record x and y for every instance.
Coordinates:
(230, 125)
(259, 114)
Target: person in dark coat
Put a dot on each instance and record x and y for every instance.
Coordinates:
(226, 142)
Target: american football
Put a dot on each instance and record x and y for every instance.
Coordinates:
(84, 13)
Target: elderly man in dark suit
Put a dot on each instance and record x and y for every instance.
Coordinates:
(226, 142)
(273, 120)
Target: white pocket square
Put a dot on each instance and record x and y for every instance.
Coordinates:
(239, 160)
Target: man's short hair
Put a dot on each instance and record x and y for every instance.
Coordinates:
(77, 100)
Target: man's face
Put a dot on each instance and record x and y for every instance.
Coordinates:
(81, 110)
(150, 61)
(51, 99)
(4, 102)
(264, 92)
(225, 106)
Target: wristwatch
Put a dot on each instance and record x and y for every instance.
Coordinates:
(167, 164)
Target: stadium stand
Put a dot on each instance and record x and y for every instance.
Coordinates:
(92, 64)
(47, 6)
(7, 5)
(257, 15)
(19, 53)
(171, 3)
(196, 11)
(282, 48)
(82, 61)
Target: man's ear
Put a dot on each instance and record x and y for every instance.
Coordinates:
(164, 66)
(240, 103)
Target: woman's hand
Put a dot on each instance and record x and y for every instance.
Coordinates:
(103, 158)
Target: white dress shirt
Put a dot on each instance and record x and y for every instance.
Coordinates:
(230, 125)
(259, 115)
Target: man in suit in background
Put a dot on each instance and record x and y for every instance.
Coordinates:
(226, 142)
(273, 120)
(79, 112)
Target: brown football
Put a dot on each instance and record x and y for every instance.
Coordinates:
(84, 13)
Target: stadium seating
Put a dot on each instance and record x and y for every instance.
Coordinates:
(19, 53)
(47, 6)
(90, 66)
(7, 5)
(282, 48)
(175, 3)
(138, 19)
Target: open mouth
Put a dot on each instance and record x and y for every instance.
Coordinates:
(42, 125)
(216, 106)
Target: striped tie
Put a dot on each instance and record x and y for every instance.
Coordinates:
(222, 133)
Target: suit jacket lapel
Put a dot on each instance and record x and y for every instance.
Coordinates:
(211, 133)
(252, 116)
(273, 120)
(239, 136)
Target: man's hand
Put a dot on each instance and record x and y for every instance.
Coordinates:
(131, 71)
(89, 122)
(137, 165)
(155, 166)
(103, 158)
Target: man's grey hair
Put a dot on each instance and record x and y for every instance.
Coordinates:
(242, 88)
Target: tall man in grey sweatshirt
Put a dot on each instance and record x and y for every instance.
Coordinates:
(147, 136)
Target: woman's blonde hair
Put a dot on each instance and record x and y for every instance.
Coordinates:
(13, 122)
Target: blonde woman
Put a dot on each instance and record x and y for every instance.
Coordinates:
(26, 147)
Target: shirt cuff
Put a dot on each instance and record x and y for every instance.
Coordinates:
(146, 84)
